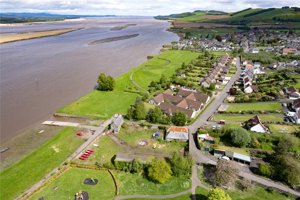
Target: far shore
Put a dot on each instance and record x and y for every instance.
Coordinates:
(6, 38)
(41, 22)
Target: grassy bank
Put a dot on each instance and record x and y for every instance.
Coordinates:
(71, 182)
(102, 105)
(42, 161)
(6, 38)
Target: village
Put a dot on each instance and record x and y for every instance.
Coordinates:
(226, 116)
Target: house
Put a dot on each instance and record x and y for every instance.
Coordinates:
(296, 116)
(296, 104)
(248, 89)
(206, 138)
(292, 93)
(287, 51)
(177, 133)
(117, 122)
(187, 101)
(254, 124)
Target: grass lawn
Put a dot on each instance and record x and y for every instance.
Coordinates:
(102, 105)
(106, 150)
(233, 149)
(71, 182)
(256, 193)
(132, 136)
(136, 184)
(277, 128)
(242, 118)
(42, 161)
(271, 106)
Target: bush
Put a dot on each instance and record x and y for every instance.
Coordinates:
(218, 194)
(159, 171)
(181, 166)
(240, 137)
(265, 170)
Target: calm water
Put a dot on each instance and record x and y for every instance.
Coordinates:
(41, 75)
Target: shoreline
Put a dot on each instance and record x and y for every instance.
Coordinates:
(42, 22)
(15, 37)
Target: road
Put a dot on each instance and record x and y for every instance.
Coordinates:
(200, 157)
(98, 133)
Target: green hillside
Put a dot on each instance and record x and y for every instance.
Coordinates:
(272, 16)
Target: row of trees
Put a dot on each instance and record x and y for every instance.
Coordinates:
(138, 111)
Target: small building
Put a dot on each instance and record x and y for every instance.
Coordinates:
(177, 133)
(287, 51)
(244, 159)
(156, 134)
(254, 124)
(117, 123)
(206, 138)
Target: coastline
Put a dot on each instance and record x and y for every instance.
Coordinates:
(35, 128)
(42, 22)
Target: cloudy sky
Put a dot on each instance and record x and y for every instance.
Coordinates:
(135, 7)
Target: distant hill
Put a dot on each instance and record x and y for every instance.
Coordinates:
(246, 17)
(38, 17)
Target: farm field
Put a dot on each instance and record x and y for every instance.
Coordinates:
(265, 106)
(243, 118)
(44, 160)
(71, 182)
(102, 105)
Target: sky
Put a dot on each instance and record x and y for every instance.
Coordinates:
(136, 7)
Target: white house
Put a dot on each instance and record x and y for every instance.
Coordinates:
(259, 128)
(248, 89)
(297, 116)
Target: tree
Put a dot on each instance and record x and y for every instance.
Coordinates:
(137, 111)
(240, 137)
(226, 174)
(159, 171)
(105, 83)
(155, 115)
(219, 38)
(218, 194)
(179, 119)
(181, 166)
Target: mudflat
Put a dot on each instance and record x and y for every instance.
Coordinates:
(41, 75)
(5, 38)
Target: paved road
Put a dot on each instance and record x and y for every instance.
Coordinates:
(98, 133)
(210, 110)
(200, 157)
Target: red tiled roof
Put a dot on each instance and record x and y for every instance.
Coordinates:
(178, 129)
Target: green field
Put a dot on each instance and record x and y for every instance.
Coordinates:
(35, 166)
(270, 106)
(243, 118)
(71, 182)
(136, 184)
(102, 105)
